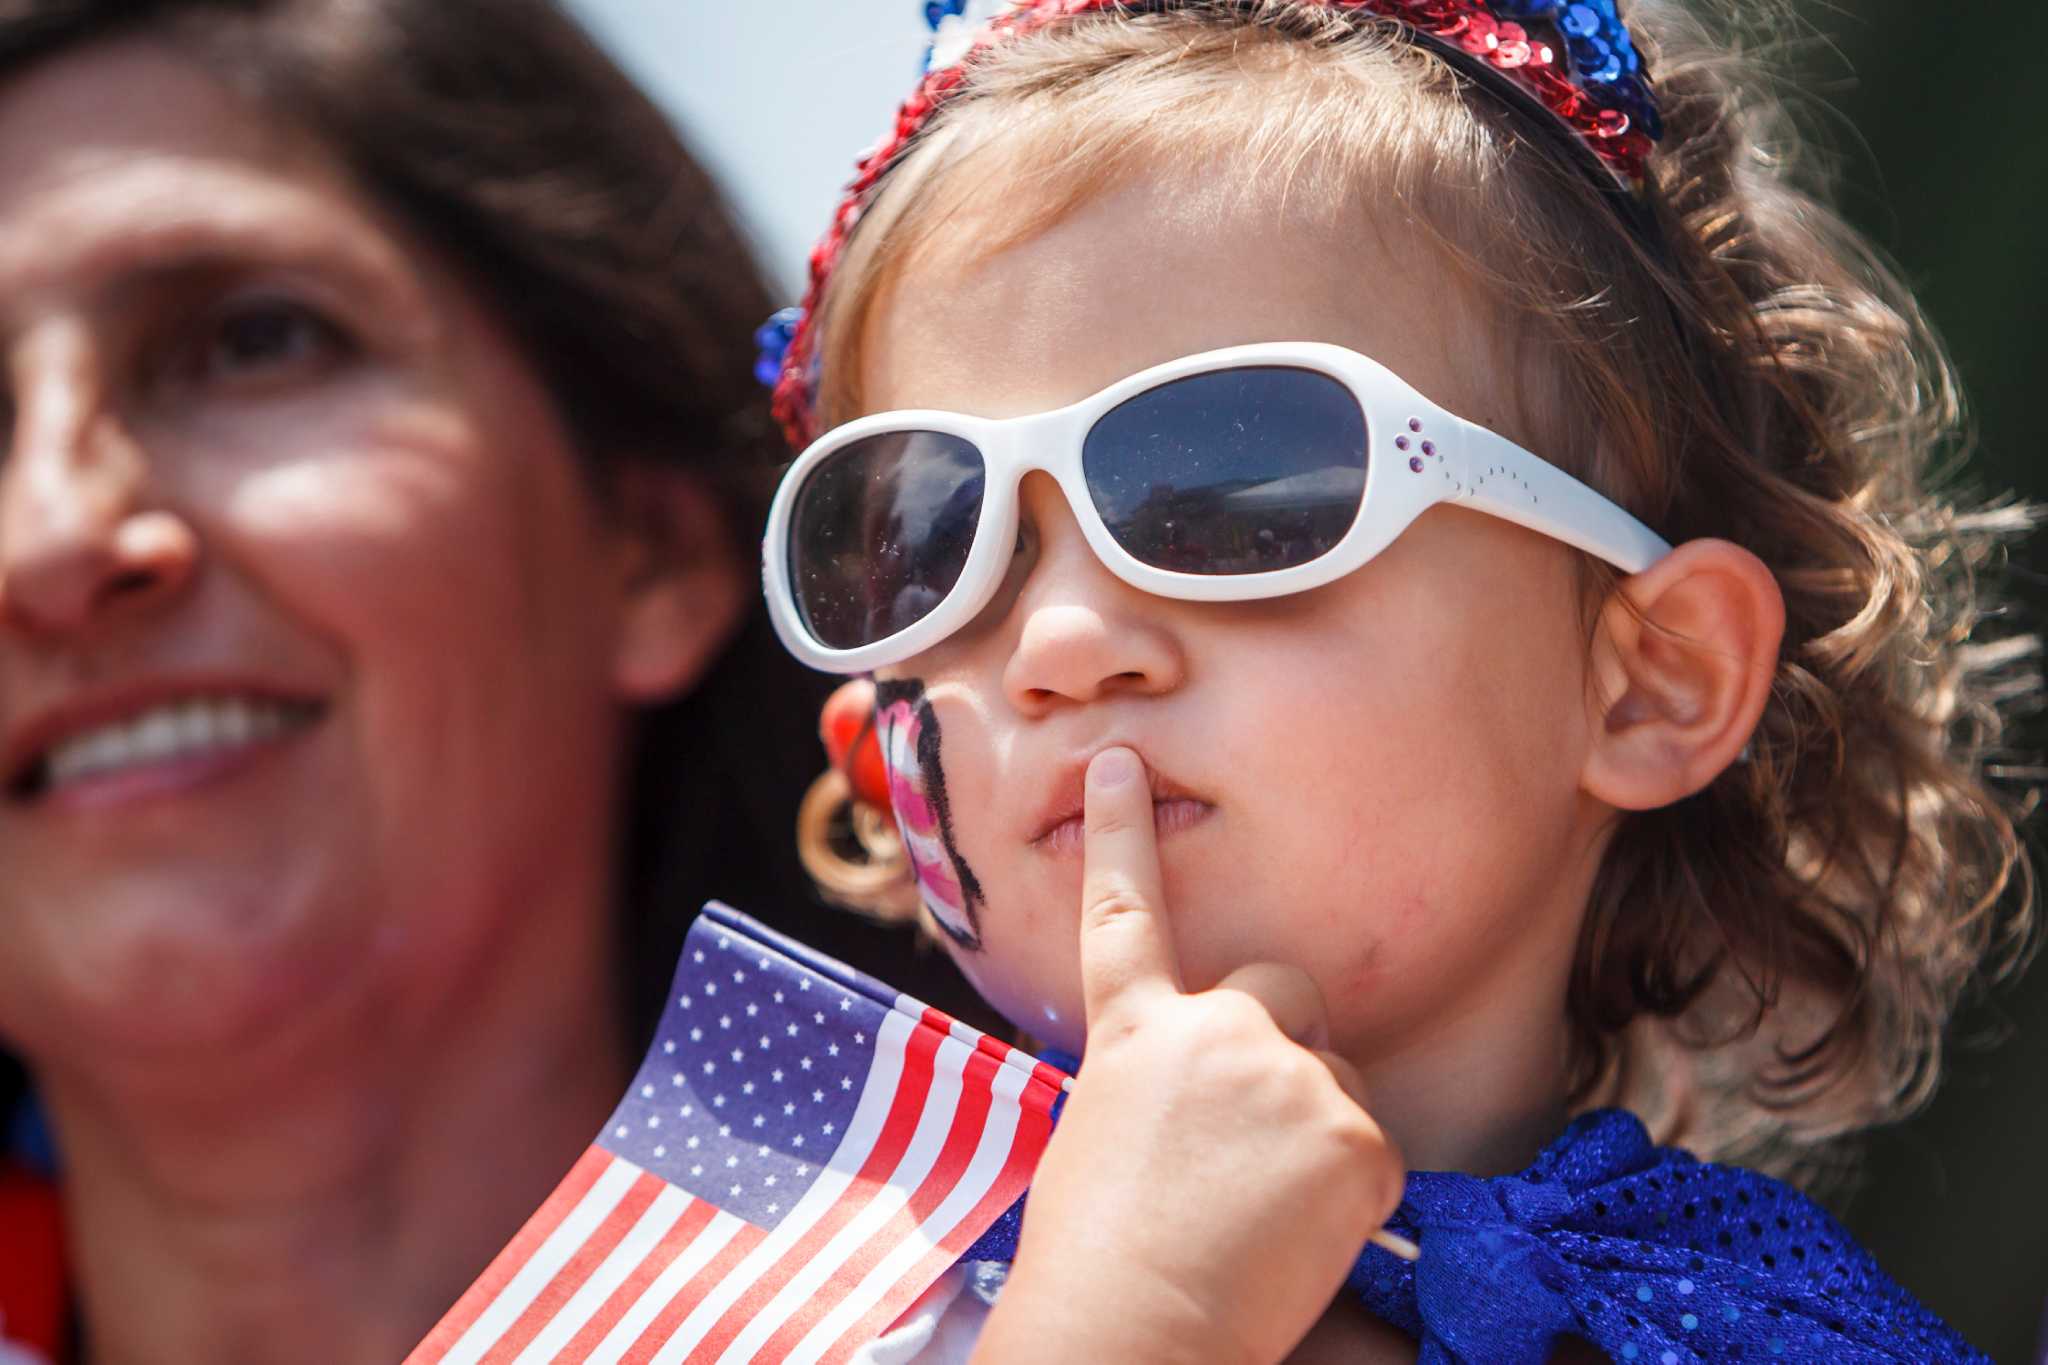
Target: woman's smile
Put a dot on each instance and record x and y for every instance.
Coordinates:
(143, 750)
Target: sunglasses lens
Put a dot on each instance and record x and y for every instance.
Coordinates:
(879, 533)
(1232, 472)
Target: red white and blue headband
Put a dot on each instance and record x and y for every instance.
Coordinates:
(1589, 76)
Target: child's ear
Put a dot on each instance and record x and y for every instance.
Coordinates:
(682, 589)
(1682, 666)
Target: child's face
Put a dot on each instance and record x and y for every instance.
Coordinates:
(1377, 781)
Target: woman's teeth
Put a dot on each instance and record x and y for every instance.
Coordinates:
(174, 731)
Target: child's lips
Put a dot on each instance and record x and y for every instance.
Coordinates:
(1059, 828)
(1169, 816)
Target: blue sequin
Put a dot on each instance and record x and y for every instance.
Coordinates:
(1579, 22)
(773, 338)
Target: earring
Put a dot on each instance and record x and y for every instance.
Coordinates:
(846, 835)
(847, 727)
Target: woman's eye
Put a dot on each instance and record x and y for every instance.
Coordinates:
(266, 340)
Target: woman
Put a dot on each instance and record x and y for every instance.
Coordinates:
(381, 464)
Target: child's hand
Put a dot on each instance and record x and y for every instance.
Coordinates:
(1214, 1176)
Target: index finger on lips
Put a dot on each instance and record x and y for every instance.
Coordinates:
(1126, 945)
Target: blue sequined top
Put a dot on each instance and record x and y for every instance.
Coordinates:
(1646, 1252)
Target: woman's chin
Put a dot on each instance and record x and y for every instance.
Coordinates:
(145, 979)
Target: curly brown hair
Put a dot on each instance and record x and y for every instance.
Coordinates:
(1772, 962)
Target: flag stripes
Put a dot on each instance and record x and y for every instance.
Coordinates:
(623, 1267)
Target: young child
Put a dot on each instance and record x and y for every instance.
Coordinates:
(1214, 399)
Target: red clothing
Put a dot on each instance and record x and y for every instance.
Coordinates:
(34, 1305)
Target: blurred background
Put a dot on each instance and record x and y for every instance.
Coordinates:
(1923, 107)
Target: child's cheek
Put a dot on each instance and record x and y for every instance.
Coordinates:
(910, 742)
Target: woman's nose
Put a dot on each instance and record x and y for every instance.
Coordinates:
(1083, 633)
(78, 544)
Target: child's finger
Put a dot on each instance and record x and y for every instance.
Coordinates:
(1347, 1078)
(1126, 946)
(1290, 995)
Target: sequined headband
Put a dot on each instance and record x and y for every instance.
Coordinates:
(1592, 79)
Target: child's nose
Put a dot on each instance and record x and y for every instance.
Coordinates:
(1083, 633)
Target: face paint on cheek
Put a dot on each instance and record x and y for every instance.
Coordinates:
(909, 734)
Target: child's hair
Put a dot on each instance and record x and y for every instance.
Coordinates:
(1772, 962)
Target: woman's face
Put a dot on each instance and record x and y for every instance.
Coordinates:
(314, 646)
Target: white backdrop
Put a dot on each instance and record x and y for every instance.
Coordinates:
(778, 98)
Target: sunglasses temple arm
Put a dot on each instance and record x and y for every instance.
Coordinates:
(1506, 481)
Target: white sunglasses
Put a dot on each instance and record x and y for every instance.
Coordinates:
(1254, 471)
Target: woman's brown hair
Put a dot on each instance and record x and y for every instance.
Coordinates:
(1772, 962)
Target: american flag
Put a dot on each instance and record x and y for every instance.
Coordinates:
(803, 1152)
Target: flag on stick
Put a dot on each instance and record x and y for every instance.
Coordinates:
(803, 1152)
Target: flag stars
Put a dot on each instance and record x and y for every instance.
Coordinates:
(668, 1045)
(776, 1075)
(731, 1161)
(676, 1080)
(692, 1144)
(817, 1097)
(846, 1082)
(661, 1151)
(802, 1171)
(725, 1021)
(718, 1101)
(710, 1068)
(762, 1150)
(697, 956)
(764, 964)
(791, 1030)
(788, 1109)
(775, 1208)
(827, 1130)
(752, 1009)
(770, 1180)
(860, 1039)
(818, 1016)
(738, 977)
(711, 988)
(804, 1062)
(686, 1111)
(654, 1120)
(845, 1003)
(778, 997)
(696, 1035)
(798, 1141)
(803, 983)
(747, 1089)
(685, 1001)
(646, 1092)
(832, 1048)
(725, 1130)
(739, 1055)
(735, 1191)
(697, 1170)
(759, 1120)
(619, 1131)
(764, 1042)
